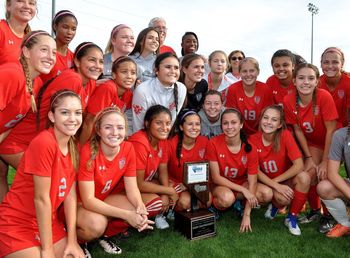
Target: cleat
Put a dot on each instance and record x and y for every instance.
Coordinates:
(108, 246)
(311, 216)
(86, 251)
(292, 224)
(271, 212)
(326, 224)
(338, 231)
(161, 222)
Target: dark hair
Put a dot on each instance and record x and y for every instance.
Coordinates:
(184, 37)
(299, 59)
(157, 63)
(314, 94)
(277, 135)
(60, 16)
(185, 62)
(140, 41)
(82, 49)
(151, 113)
(213, 92)
(120, 60)
(242, 134)
(283, 53)
(179, 122)
(54, 102)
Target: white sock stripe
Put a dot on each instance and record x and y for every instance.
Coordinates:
(155, 204)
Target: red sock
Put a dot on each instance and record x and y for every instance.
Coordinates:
(297, 202)
(153, 207)
(115, 227)
(313, 198)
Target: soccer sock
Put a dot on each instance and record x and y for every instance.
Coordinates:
(115, 227)
(313, 198)
(338, 210)
(297, 202)
(153, 207)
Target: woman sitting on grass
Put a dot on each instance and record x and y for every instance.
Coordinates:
(281, 166)
(107, 184)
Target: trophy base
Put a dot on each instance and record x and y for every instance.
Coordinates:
(196, 225)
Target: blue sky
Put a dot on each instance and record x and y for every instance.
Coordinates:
(257, 27)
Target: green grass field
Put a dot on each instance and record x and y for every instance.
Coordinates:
(268, 239)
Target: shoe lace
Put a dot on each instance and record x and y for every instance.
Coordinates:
(108, 245)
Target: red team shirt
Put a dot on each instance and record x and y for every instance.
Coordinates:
(312, 125)
(278, 91)
(341, 96)
(62, 63)
(18, 222)
(234, 167)
(165, 49)
(107, 174)
(272, 163)
(193, 155)
(250, 107)
(10, 44)
(21, 135)
(106, 95)
(14, 98)
(147, 158)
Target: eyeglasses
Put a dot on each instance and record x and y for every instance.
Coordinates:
(161, 28)
(234, 58)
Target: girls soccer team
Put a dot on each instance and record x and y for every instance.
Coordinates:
(253, 156)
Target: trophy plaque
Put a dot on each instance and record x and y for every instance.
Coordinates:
(196, 223)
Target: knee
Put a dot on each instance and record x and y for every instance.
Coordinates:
(92, 226)
(264, 194)
(281, 200)
(325, 189)
(184, 203)
(225, 199)
(303, 180)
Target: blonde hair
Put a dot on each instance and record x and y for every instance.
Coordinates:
(249, 60)
(114, 32)
(27, 29)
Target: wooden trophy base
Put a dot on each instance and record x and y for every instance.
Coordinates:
(196, 225)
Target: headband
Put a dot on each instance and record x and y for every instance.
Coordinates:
(334, 49)
(83, 46)
(35, 33)
(190, 112)
(62, 93)
(63, 13)
(117, 28)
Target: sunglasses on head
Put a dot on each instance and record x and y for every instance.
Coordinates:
(234, 58)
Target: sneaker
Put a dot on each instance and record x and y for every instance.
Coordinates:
(292, 224)
(238, 209)
(312, 215)
(108, 246)
(271, 212)
(326, 224)
(215, 211)
(338, 231)
(161, 222)
(171, 215)
(86, 251)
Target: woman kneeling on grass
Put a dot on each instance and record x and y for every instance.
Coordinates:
(335, 190)
(234, 167)
(107, 161)
(45, 178)
(281, 166)
(151, 158)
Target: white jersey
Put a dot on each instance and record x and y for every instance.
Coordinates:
(152, 92)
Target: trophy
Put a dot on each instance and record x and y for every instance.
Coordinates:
(196, 223)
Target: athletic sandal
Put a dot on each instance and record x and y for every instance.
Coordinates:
(312, 215)
(292, 224)
(108, 246)
(338, 231)
(326, 224)
(161, 222)
(271, 212)
(86, 251)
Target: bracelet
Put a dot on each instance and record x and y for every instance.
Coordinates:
(308, 157)
(246, 214)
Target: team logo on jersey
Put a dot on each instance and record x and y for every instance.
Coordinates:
(137, 109)
(240, 99)
(160, 152)
(199, 96)
(11, 42)
(221, 155)
(101, 168)
(341, 93)
(274, 92)
(317, 110)
(289, 92)
(257, 99)
(244, 160)
(172, 106)
(122, 163)
(201, 153)
(259, 150)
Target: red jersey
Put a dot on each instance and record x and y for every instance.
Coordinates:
(250, 107)
(234, 167)
(62, 63)
(165, 49)
(10, 44)
(14, 97)
(17, 211)
(21, 135)
(106, 174)
(341, 96)
(147, 158)
(274, 163)
(278, 91)
(193, 155)
(311, 124)
(106, 95)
